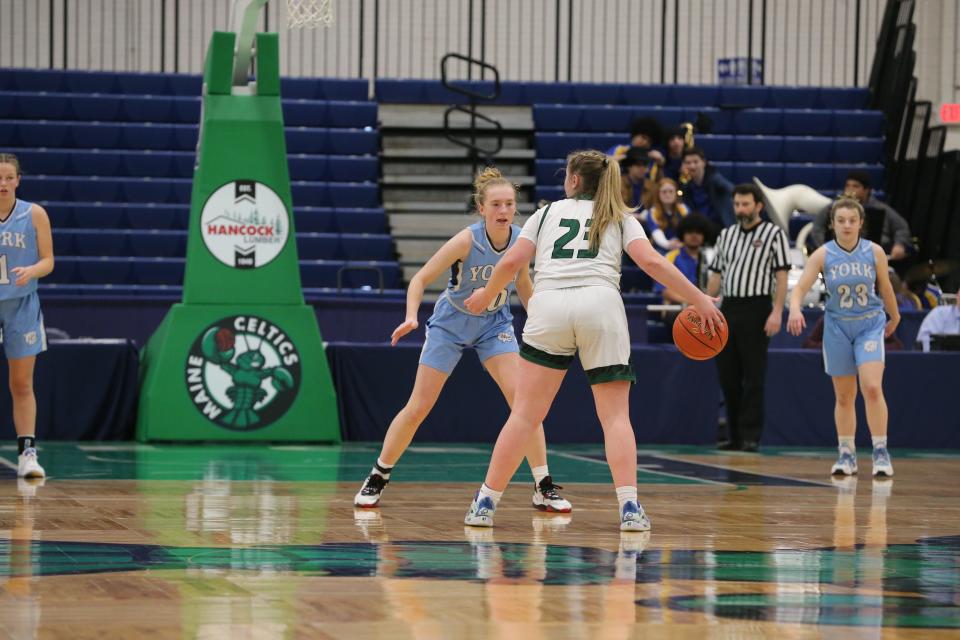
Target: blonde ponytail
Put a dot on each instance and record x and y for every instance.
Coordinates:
(599, 177)
(488, 177)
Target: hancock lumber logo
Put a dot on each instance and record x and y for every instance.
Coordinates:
(244, 224)
(243, 373)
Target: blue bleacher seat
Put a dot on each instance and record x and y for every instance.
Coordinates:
(550, 172)
(305, 113)
(807, 149)
(95, 189)
(758, 148)
(319, 246)
(185, 110)
(152, 189)
(315, 219)
(33, 133)
(184, 137)
(654, 94)
(96, 163)
(348, 142)
(64, 271)
(557, 145)
(98, 242)
(158, 271)
(185, 85)
(148, 136)
(353, 194)
(547, 93)
(596, 93)
(758, 122)
(794, 97)
(94, 215)
(43, 161)
(855, 150)
(89, 82)
(39, 106)
(606, 118)
(400, 90)
(60, 214)
(308, 167)
(165, 244)
(157, 109)
(63, 240)
(367, 247)
(807, 122)
(717, 147)
(157, 164)
(360, 220)
(818, 176)
(691, 95)
(157, 216)
(858, 123)
(549, 193)
(36, 80)
(102, 270)
(90, 108)
(744, 96)
(770, 173)
(143, 83)
(666, 116)
(556, 117)
(355, 89)
(352, 169)
(843, 98)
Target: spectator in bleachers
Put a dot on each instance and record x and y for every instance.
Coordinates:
(645, 133)
(664, 214)
(635, 185)
(673, 163)
(895, 237)
(906, 299)
(705, 190)
(692, 231)
(945, 319)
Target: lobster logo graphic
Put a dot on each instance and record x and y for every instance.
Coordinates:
(243, 373)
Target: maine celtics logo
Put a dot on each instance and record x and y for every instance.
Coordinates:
(244, 224)
(243, 373)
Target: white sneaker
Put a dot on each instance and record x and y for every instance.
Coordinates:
(632, 517)
(846, 464)
(882, 466)
(370, 492)
(481, 512)
(28, 467)
(547, 498)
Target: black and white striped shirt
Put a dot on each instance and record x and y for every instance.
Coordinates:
(747, 260)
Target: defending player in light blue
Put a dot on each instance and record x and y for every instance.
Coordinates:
(854, 327)
(26, 254)
(470, 257)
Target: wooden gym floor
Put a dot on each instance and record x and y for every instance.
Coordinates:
(126, 541)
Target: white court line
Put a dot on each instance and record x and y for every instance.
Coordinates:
(648, 470)
(9, 465)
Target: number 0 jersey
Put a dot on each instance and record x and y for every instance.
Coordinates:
(18, 248)
(475, 271)
(561, 232)
(851, 279)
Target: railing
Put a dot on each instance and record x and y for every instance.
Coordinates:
(801, 42)
(474, 93)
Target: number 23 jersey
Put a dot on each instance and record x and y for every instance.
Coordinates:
(851, 278)
(561, 232)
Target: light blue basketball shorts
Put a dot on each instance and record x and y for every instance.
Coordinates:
(848, 344)
(450, 331)
(21, 326)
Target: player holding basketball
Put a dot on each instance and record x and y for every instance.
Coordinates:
(470, 256)
(26, 254)
(576, 306)
(854, 270)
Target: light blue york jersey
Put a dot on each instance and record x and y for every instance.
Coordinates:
(475, 271)
(851, 279)
(18, 248)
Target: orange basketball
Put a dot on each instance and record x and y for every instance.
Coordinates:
(693, 338)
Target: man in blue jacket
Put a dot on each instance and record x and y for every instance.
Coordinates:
(705, 190)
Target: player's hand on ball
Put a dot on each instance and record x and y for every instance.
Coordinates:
(707, 308)
(477, 301)
(408, 325)
(796, 323)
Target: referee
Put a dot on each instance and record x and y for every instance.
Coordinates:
(751, 263)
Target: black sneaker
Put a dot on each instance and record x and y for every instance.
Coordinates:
(369, 494)
(547, 498)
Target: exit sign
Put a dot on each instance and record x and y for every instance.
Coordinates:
(950, 113)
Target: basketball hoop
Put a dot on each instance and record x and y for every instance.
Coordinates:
(309, 14)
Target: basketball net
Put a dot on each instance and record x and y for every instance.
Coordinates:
(309, 14)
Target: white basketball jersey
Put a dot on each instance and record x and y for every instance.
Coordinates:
(561, 232)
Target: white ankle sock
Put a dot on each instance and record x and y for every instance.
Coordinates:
(539, 473)
(490, 493)
(382, 469)
(880, 441)
(847, 442)
(625, 494)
